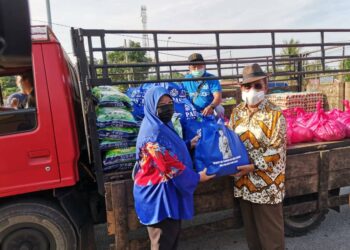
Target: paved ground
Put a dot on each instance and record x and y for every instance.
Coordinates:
(333, 233)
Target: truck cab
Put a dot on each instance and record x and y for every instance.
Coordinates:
(39, 173)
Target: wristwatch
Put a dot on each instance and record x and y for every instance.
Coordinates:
(212, 106)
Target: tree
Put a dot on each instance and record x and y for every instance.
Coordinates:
(123, 57)
(8, 85)
(345, 64)
(290, 52)
(174, 75)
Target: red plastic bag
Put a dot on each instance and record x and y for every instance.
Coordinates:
(334, 114)
(324, 128)
(297, 133)
(344, 118)
(302, 116)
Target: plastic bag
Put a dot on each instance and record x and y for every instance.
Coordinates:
(324, 128)
(191, 128)
(123, 166)
(186, 109)
(110, 96)
(108, 116)
(219, 149)
(302, 117)
(117, 133)
(115, 156)
(106, 144)
(176, 91)
(297, 133)
(334, 114)
(344, 118)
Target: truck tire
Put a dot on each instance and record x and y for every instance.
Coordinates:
(35, 225)
(299, 225)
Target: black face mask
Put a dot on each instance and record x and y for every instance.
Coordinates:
(165, 112)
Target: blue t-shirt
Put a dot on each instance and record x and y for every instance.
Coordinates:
(205, 96)
(22, 99)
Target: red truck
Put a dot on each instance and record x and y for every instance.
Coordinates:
(52, 183)
(43, 195)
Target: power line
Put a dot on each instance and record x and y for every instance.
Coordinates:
(57, 24)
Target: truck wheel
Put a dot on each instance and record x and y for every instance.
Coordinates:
(299, 225)
(35, 225)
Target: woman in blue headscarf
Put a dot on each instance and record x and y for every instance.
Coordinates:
(164, 182)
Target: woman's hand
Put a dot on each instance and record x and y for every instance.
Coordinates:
(244, 170)
(203, 177)
(194, 141)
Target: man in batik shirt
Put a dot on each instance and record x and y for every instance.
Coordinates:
(260, 186)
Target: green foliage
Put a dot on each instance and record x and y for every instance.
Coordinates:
(289, 52)
(345, 64)
(175, 75)
(127, 73)
(8, 85)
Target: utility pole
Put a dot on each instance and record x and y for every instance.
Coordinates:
(145, 41)
(127, 59)
(48, 10)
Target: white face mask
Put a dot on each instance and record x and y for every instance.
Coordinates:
(253, 97)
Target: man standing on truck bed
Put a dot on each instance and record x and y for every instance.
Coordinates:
(260, 186)
(205, 95)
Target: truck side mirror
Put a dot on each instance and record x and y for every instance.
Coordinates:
(15, 36)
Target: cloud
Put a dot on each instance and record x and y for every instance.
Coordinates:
(193, 14)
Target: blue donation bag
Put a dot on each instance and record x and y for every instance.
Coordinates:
(219, 149)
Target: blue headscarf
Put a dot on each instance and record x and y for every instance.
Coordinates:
(154, 130)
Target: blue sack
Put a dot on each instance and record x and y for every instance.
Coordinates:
(136, 94)
(176, 91)
(187, 111)
(219, 150)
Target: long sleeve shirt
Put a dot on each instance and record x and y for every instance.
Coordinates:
(264, 135)
(164, 186)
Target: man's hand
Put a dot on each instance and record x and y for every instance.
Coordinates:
(194, 141)
(14, 103)
(203, 177)
(244, 170)
(208, 111)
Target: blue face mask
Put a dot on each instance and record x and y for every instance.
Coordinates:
(198, 73)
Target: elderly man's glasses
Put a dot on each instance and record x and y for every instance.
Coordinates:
(257, 86)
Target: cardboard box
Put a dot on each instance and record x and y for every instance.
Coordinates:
(334, 93)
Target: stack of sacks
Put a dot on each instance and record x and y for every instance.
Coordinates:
(305, 100)
(117, 128)
(184, 110)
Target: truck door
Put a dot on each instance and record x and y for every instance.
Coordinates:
(28, 157)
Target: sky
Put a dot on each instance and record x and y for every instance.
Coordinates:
(194, 15)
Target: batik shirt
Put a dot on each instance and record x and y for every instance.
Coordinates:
(264, 135)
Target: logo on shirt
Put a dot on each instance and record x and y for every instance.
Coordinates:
(205, 86)
(174, 92)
